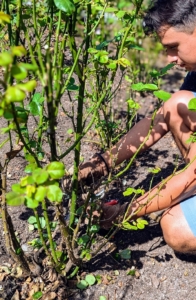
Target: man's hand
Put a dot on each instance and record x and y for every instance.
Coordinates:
(90, 171)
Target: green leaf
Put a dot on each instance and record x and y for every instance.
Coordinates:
(18, 72)
(54, 193)
(83, 240)
(154, 170)
(102, 298)
(162, 95)
(140, 226)
(40, 193)
(103, 59)
(102, 45)
(94, 228)
(125, 254)
(32, 220)
(14, 94)
(40, 176)
(111, 9)
(136, 47)
(165, 69)
(129, 191)
(124, 62)
(192, 104)
(120, 14)
(31, 203)
(142, 221)
(37, 295)
(34, 108)
(14, 199)
(4, 18)
(150, 87)
(92, 50)
(17, 188)
(30, 158)
(131, 272)
(19, 51)
(28, 67)
(27, 86)
(67, 6)
(5, 59)
(30, 168)
(42, 222)
(82, 285)
(144, 87)
(112, 65)
(56, 170)
(90, 279)
(128, 226)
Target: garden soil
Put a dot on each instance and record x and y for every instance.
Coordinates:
(157, 271)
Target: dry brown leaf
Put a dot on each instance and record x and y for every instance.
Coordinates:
(33, 289)
(13, 153)
(52, 275)
(105, 279)
(2, 276)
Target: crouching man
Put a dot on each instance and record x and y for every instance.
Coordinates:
(174, 21)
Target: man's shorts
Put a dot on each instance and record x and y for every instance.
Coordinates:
(188, 207)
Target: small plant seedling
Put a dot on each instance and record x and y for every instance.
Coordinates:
(89, 280)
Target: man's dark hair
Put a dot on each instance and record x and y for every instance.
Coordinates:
(180, 14)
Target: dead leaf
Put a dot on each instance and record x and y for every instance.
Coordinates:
(105, 279)
(52, 275)
(12, 154)
(2, 276)
(33, 289)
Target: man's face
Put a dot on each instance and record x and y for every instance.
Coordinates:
(180, 47)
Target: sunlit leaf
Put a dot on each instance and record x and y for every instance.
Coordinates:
(54, 193)
(124, 62)
(56, 170)
(37, 295)
(128, 226)
(67, 6)
(162, 95)
(27, 86)
(90, 279)
(4, 17)
(40, 193)
(5, 59)
(19, 51)
(82, 285)
(19, 72)
(14, 94)
(14, 199)
(40, 176)
(192, 104)
(31, 203)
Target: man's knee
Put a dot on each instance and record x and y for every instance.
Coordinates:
(176, 110)
(173, 239)
(176, 232)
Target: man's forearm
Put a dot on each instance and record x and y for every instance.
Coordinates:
(169, 192)
(129, 143)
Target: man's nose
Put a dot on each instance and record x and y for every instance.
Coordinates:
(172, 58)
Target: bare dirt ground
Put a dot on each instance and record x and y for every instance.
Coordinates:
(159, 272)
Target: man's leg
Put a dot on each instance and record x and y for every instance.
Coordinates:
(179, 222)
(179, 226)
